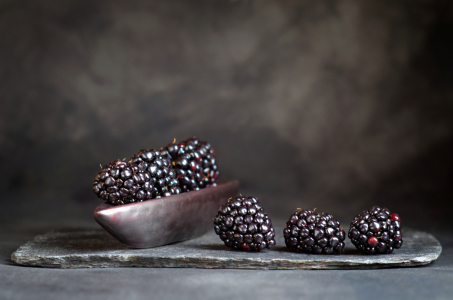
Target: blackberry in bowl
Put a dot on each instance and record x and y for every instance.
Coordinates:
(309, 232)
(242, 224)
(195, 164)
(376, 231)
(120, 182)
(159, 165)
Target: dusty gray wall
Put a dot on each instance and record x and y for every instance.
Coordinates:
(331, 104)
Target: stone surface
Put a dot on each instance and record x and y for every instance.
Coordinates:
(83, 248)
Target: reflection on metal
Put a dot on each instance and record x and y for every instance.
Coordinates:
(166, 220)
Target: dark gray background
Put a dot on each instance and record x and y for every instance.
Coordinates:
(338, 105)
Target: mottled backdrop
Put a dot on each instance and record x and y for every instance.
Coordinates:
(338, 105)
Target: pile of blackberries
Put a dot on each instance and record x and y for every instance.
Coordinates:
(242, 224)
(179, 167)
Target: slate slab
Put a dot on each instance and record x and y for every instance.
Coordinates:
(88, 248)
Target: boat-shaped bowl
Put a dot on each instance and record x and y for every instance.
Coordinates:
(165, 220)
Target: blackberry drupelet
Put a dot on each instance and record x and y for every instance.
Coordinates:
(163, 175)
(242, 224)
(195, 164)
(376, 231)
(308, 232)
(120, 182)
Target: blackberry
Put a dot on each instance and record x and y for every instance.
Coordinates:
(314, 233)
(195, 164)
(376, 231)
(242, 224)
(120, 182)
(158, 164)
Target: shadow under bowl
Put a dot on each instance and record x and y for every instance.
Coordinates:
(165, 220)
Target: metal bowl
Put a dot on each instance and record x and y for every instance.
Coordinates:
(166, 220)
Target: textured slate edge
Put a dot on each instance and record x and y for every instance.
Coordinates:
(221, 263)
(343, 261)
